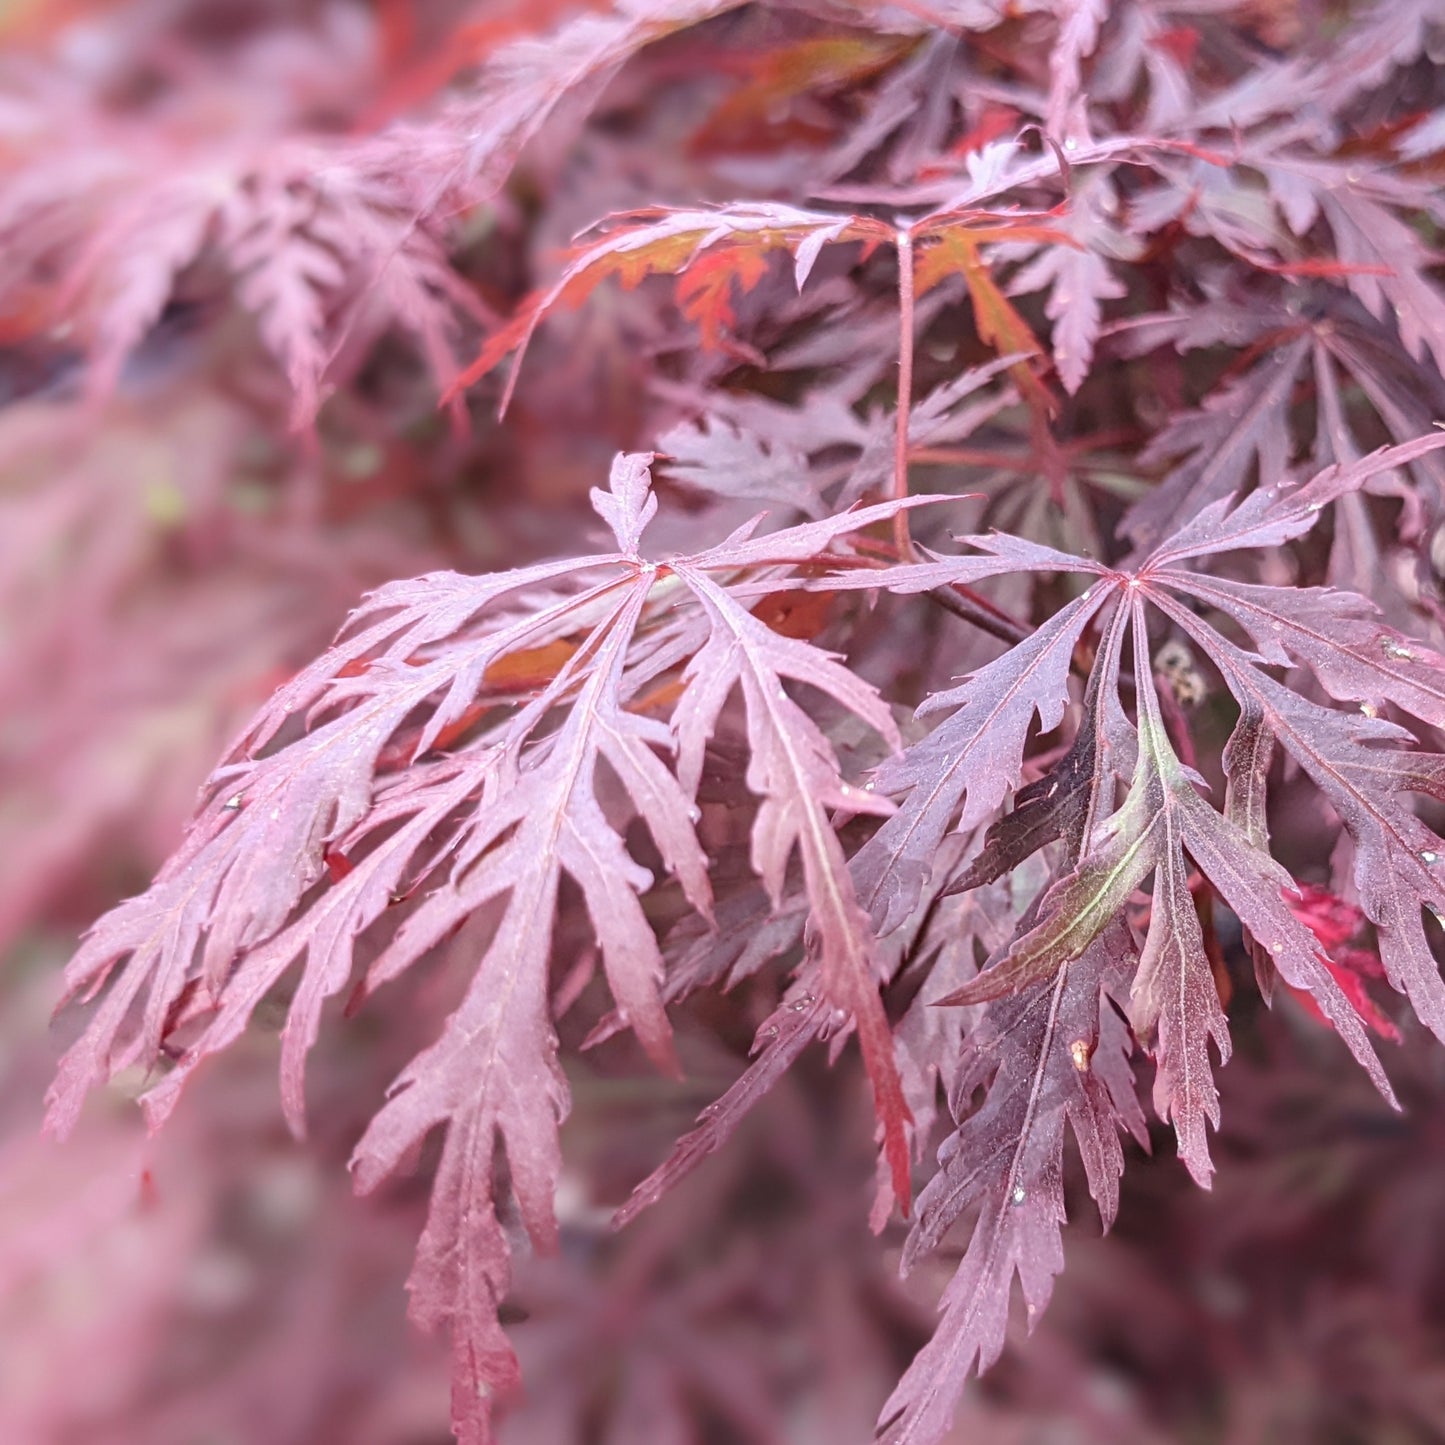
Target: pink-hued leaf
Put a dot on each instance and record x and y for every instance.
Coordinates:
(492, 816)
(1163, 818)
(326, 934)
(1079, 24)
(491, 1078)
(1079, 277)
(724, 458)
(1396, 854)
(451, 750)
(492, 1075)
(1370, 237)
(327, 238)
(804, 542)
(628, 504)
(1336, 923)
(303, 256)
(973, 759)
(792, 768)
(733, 241)
(1278, 514)
(1337, 635)
(1251, 884)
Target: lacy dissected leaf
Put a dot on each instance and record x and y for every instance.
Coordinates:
(326, 237)
(951, 243)
(974, 758)
(1079, 277)
(710, 252)
(1388, 260)
(1079, 25)
(793, 770)
(522, 791)
(1164, 817)
(1053, 1056)
(479, 133)
(322, 237)
(1005, 1156)
(804, 1016)
(1248, 418)
(726, 459)
(1244, 423)
(447, 756)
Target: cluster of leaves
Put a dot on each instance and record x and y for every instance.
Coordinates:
(1147, 286)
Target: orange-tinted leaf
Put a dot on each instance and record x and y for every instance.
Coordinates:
(704, 290)
(956, 249)
(794, 613)
(529, 667)
(667, 242)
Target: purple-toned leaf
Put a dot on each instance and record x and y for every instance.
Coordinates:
(1369, 238)
(794, 772)
(1396, 855)
(972, 760)
(1079, 24)
(1036, 1052)
(1244, 422)
(1276, 515)
(1079, 278)
(1337, 635)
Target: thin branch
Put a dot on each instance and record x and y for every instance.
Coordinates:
(901, 533)
(967, 605)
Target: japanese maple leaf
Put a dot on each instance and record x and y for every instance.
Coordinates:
(1053, 1057)
(449, 751)
(711, 252)
(322, 236)
(1165, 829)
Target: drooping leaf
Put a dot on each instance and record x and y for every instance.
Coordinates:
(730, 245)
(1036, 1054)
(474, 843)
